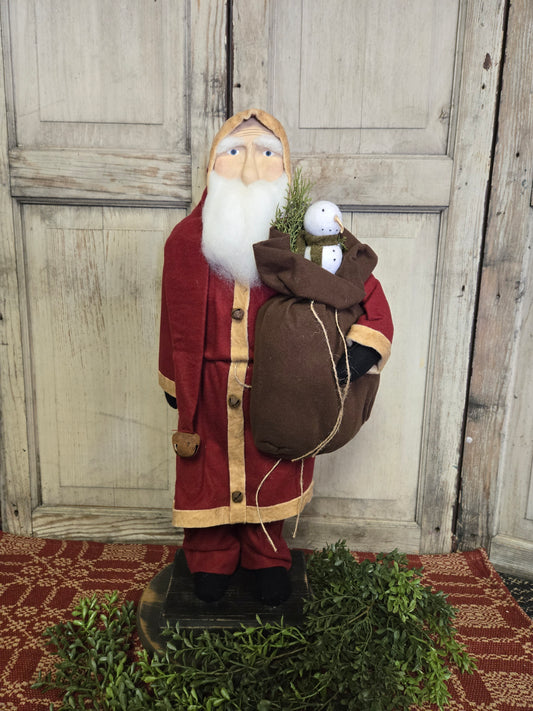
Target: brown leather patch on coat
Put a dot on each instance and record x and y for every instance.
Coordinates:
(185, 444)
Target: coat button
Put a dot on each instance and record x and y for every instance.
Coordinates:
(237, 314)
(234, 401)
(237, 497)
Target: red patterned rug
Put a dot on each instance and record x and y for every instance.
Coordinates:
(41, 580)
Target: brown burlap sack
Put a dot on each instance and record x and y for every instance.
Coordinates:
(295, 401)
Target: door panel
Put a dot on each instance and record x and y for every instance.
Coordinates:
(109, 129)
(105, 80)
(382, 73)
(111, 108)
(496, 507)
(377, 83)
(385, 486)
(100, 74)
(93, 277)
(402, 102)
(511, 549)
(387, 112)
(516, 470)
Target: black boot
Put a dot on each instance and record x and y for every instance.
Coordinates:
(272, 585)
(210, 587)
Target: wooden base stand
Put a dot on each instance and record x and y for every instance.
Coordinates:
(169, 599)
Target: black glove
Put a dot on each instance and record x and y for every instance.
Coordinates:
(360, 359)
(171, 401)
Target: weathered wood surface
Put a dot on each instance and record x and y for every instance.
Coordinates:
(395, 182)
(378, 81)
(360, 534)
(512, 511)
(423, 145)
(252, 49)
(94, 296)
(106, 524)
(114, 116)
(96, 177)
(101, 75)
(14, 455)
(499, 447)
(390, 120)
(365, 480)
(207, 82)
(457, 270)
(512, 555)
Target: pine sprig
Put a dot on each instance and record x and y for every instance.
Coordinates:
(289, 218)
(375, 638)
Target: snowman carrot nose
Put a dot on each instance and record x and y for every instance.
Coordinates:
(338, 221)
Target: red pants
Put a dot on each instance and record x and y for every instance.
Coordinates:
(220, 549)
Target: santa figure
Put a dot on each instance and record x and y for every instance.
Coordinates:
(230, 498)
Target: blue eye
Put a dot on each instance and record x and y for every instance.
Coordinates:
(268, 153)
(233, 151)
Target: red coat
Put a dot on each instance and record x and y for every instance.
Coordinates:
(205, 361)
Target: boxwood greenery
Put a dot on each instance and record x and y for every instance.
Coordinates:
(375, 638)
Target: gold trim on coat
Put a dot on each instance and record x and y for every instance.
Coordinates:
(374, 339)
(169, 386)
(204, 518)
(234, 406)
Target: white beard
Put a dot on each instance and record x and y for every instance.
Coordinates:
(235, 216)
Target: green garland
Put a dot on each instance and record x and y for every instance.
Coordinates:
(289, 218)
(375, 638)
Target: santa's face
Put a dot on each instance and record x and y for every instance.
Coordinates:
(250, 153)
(245, 187)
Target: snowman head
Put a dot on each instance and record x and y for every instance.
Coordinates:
(323, 218)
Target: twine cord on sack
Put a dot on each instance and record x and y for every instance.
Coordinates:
(259, 510)
(342, 397)
(235, 375)
(301, 498)
(342, 393)
(243, 385)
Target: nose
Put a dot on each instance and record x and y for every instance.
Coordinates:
(338, 221)
(249, 170)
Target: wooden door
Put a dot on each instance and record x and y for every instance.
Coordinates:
(389, 108)
(109, 123)
(497, 479)
(110, 109)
